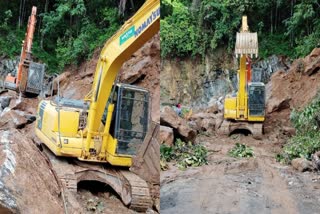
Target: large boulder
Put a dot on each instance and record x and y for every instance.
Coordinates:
(25, 177)
(166, 135)
(168, 117)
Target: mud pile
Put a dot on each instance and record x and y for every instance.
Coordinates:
(292, 90)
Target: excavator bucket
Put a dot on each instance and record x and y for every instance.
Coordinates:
(246, 42)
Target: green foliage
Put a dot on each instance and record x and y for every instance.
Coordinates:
(307, 138)
(304, 25)
(189, 29)
(178, 32)
(185, 154)
(78, 40)
(9, 36)
(241, 151)
(276, 43)
(67, 31)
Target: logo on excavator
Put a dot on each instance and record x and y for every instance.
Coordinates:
(147, 22)
(135, 32)
(127, 35)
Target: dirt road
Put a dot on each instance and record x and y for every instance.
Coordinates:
(229, 185)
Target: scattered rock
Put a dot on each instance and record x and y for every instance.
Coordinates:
(278, 104)
(316, 160)
(301, 164)
(290, 131)
(168, 117)
(214, 108)
(166, 135)
(4, 102)
(208, 124)
(12, 119)
(313, 67)
(151, 211)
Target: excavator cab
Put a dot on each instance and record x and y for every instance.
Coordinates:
(256, 99)
(130, 119)
(34, 81)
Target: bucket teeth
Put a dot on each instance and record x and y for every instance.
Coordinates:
(246, 42)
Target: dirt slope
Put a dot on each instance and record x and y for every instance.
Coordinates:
(292, 90)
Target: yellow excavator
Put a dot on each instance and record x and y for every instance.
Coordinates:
(245, 110)
(110, 124)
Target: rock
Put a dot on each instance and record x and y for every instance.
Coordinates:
(151, 211)
(219, 120)
(208, 124)
(278, 104)
(4, 102)
(315, 52)
(20, 159)
(214, 108)
(194, 125)
(202, 115)
(62, 79)
(289, 130)
(166, 135)
(12, 119)
(168, 117)
(313, 67)
(301, 164)
(316, 160)
(157, 204)
(136, 71)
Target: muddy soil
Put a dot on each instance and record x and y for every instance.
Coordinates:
(247, 185)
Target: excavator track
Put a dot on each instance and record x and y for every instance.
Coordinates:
(133, 190)
(227, 127)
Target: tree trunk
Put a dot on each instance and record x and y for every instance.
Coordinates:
(20, 14)
(42, 34)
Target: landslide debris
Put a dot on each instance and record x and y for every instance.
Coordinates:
(27, 183)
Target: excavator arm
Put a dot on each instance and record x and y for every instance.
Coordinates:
(132, 35)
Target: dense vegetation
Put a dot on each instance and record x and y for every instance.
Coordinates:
(67, 31)
(307, 139)
(194, 27)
